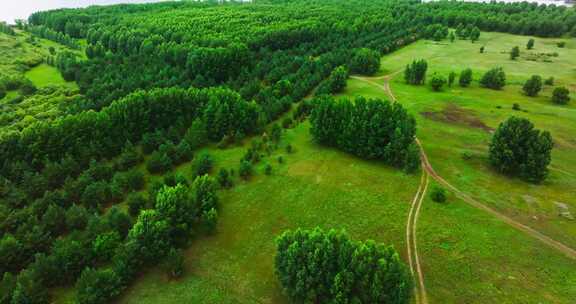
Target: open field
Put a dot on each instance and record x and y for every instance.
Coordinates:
(458, 244)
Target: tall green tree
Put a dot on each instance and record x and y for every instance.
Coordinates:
(532, 86)
(518, 149)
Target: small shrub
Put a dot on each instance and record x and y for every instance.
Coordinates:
(438, 194)
(268, 169)
(561, 96)
(549, 81)
(561, 44)
(245, 169)
(202, 164)
(174, 263)
(516, 107)
(289, 148)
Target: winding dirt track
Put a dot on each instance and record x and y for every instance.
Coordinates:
(411, 243)
(413, 258)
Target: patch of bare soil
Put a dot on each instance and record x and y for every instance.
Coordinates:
(453, 114)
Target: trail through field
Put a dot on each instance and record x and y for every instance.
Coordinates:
(411, 243)
(569, 252)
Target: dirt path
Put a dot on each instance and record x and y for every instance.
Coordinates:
(567, 251)
(411, 243)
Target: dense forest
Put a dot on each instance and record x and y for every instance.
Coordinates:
(160, 80)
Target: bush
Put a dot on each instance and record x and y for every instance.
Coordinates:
(159, 163)
(76, 217)
(465, 78)
(202, 164)
(514, 53)
(549, 81)
(224, 178)
(210, 219)
(97, 286)
(494, 79)
(561, 44)
(136, 202)
(561, 96)
(174, 263)
(516, 107)
(268, 169)
(533, 86)
(105, 244)
(245, 169)
(438, 195)
(437, 82)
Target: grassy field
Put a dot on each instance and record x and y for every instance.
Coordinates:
(45, 75)
(468, 256)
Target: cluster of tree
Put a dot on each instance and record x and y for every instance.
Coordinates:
(372, 129)
(314, 266)
(468, 32)
(6, 29)
(415, 73)
(518, 149)
(494, 79)
(47, 33)
(435, 32)
(365, 61)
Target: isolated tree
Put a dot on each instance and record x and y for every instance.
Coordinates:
(451, 78)
(514, 53)
(202, 164)
(561, 95)
(530, 44)
(549, 81)
(437, 82)
(245, 170)
(482, 49)
(451, 36)
(532, 86)
(518, 149)
(465, 78)
(494, 79)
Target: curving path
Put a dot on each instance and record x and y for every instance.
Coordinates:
(428, 170)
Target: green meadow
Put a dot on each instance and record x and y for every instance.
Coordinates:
(459, 245)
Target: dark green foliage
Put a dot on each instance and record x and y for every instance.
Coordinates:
(136, 202)
(494, 79)
(474, 34)
(6, 29)
(465, 78)
(482, 48)
(514, 53)
(532, 86)
(516, 107)
(77, 217)
(105, 244)
(159, 163)
(438, 194)
(437, 82)
(210, 219)
(415, 73)
(436, 32)
(196, 135)
(129, 158)
(561, 44)
(314, 266)
(372, 129)
(549, 81)
(224, 178)
(518, 149)
(27, 87)
(365, 61)
(202, 164)
(245, 170)
(530, 44)
(97, 286)
(70, 257)
(451, 78)
(29, 290)
(336, 83)
(119, 221)
(452, 37)
(561, 95)
(174, 263)
(268, 169)
(11, 254)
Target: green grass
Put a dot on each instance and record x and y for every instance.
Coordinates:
(467, 255)
(45, 75)
(315, 186)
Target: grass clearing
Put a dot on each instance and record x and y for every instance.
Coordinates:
(45, 75)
